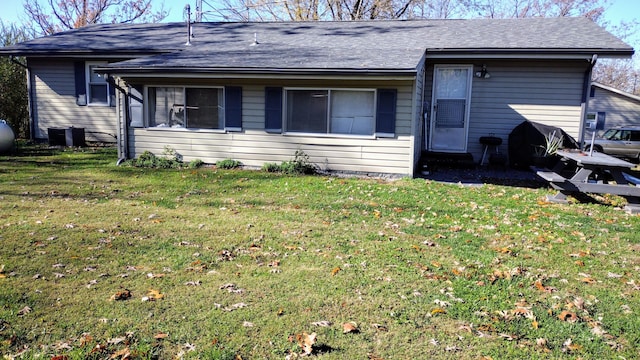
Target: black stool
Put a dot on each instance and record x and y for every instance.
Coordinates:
(489, 141)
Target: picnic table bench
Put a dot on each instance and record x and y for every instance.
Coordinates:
(579, 173)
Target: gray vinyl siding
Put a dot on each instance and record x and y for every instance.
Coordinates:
(55, 103)
(419, 109)
(547, 92)
(619, 110)
(254, 147)
(544, 92)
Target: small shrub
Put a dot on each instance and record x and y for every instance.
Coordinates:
(271, 167)
(195, 163)
(228, 164)
(170, 159)
(299, 165)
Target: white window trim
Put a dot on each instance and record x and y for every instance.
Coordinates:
(145, 108)
(87, 69)
(328, 119)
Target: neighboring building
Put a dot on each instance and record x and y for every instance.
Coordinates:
(612, 106)
(366, 96)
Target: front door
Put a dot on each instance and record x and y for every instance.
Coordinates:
(450, 111)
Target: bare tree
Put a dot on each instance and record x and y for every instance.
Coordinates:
(50, 16)
(592, 9)
(619, 73)
(306, 10)
(13, 83)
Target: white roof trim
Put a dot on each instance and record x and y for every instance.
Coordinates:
(617, 91)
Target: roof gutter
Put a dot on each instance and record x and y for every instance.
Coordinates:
(586, 89)
(256, 73)
(566, 54)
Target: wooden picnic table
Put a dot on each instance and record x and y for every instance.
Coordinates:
(579, 173)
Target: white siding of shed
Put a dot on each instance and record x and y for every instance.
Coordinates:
(254, 146)
(55, 104)
(620, 110)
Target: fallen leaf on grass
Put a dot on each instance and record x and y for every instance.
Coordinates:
(85, 339)
(503, 250)
(24, 311)
(569, 346)
(350, 327)
(322, 323)
(232, 288)
(539, 286)
(335, 271)
(153, 294)
(568, 316)
(437, 311)
(588, 280)
(121, 354)
(508, 337)
(542, 344)
(116, 340)
(535, 324)
(123, 294)
(235, 307)
(160, 336)
(306, 342)
(379, 327)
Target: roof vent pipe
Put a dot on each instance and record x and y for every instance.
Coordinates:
(255, 40)
(187, 10)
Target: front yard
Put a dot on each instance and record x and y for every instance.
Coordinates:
(99, 261)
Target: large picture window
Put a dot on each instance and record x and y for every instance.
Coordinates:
(330, 111)
(186, 107)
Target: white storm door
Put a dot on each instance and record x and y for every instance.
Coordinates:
(450, 112)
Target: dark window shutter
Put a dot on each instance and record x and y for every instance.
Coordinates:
(386, 113)
(273, 109)
(233, 108)
(81, 83)
(600, 120)
(111, 83)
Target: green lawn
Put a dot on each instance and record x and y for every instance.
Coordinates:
(99, 261)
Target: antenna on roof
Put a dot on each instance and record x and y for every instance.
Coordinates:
(198, 10)
(187, 10)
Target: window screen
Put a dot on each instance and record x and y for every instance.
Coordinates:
(204, 108)
(307, 111)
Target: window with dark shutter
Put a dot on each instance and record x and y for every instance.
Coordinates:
(386, 113)
(273, 109)
(233, 108)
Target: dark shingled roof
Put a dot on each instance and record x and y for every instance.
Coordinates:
(357, 45)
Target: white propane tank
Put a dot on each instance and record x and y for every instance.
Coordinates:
(7, 138)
